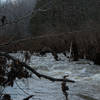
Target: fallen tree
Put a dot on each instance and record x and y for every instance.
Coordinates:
(33, 70)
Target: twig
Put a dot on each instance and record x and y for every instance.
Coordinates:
(27, 98)
(70, 53)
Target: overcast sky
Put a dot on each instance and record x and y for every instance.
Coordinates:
(3, 1)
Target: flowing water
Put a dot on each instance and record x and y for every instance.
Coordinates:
(85, 73)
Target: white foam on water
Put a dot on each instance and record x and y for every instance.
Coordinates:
(87, 79)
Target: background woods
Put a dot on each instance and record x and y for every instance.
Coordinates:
(56, 23)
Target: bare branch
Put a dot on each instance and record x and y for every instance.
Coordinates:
(35, 38)
(30, 38)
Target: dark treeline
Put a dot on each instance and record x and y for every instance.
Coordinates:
(66, 15)
(74, 21)
(80, 17)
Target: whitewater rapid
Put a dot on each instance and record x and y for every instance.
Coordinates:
(84, 72)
